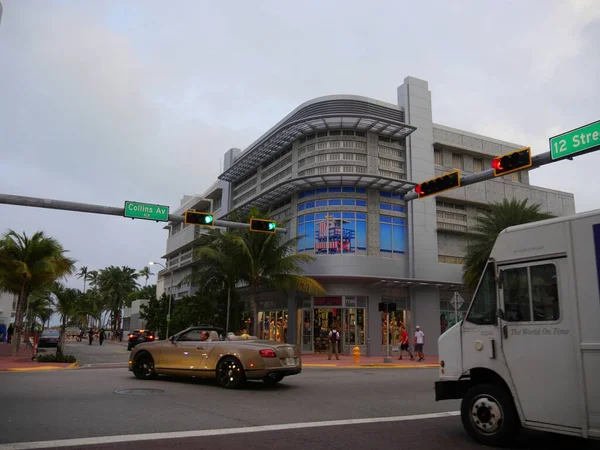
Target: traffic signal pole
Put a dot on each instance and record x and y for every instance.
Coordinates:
(35, 202)
(488, 174)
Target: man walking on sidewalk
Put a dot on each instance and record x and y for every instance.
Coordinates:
(404, 345)
(334, 340)
(419, 342)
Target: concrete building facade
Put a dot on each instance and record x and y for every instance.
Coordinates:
(337, 169)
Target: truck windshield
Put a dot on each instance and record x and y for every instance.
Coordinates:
(483, 308)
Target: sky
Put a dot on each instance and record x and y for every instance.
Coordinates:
(107, 101)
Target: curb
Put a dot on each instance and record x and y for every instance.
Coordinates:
(374, 366)
(42, 368)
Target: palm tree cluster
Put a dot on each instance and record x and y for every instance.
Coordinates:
(229, 261)
(482, 238)
(33, 268)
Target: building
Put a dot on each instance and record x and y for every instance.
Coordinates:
(131, 316)
(338, 167)
(8, 305)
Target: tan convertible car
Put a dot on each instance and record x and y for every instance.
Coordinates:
(200, 352)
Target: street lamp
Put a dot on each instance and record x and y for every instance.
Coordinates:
(152, 263)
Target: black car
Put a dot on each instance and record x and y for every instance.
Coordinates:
(48, 339)
(140, 336)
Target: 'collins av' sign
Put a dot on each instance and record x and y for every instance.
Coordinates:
(579, 140)
(147, 211)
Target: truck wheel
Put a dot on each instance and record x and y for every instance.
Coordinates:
(489, 415)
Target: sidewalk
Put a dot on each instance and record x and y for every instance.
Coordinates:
(347, 362)
(23, 363)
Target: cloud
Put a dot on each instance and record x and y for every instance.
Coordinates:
(104, 102)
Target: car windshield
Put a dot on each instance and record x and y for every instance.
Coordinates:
(50, 333)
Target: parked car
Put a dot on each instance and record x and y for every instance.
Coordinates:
(201, 352)
(48, 339)
(138, 336)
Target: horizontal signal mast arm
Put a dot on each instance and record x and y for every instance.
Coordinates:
(63, 205)
(488, 174)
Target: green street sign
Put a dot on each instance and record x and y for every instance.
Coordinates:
(579, 140)
(146, 211)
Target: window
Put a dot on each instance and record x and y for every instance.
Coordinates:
(192, 335)
(391, 234)
(531, 294)
(333, 189)
(391, 207)
(332, 202)
(332, 232)
(457, 161)
(437, 157)
(393, 195)
(483, 307)
(477, 165)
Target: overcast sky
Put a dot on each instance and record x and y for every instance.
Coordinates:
(107, 101)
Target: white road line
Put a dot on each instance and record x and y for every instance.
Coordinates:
(218, 432)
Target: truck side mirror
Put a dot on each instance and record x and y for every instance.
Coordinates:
(500, 314)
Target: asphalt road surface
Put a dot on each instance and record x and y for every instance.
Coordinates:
(44, 407)
(96, 354)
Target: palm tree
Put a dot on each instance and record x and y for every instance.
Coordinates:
(68, 304)
(30, 264)
(83, 273)
(115, 285)
(93, 276)
(500, 215)
(39, 307)
(145, 272)
(267, 262)
(219, 265)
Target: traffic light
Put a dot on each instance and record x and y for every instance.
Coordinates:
(263, 225)
(440, 184)
(198, 218)
(512, 162)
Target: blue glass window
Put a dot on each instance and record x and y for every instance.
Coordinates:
(385, 194)
(321, 203)
(361, 203)
(348, 189)
(321, 191)
(348, 202)
(332, 232)
(391, 234)
(335, 189)
(385, 206)
(361, 191)
(335, 202)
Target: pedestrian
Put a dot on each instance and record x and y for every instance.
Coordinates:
(91, 335)
(334, 343)
(404, 345)
(419, 342)
(101, 336)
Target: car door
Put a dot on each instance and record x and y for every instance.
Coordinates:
(537, 342)
(190, 352)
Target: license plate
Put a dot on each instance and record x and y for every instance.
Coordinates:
(290, 361)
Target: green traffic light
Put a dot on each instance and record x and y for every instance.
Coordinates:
(208, 219)
(271, 225)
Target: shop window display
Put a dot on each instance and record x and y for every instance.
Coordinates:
(272, 325)
(398, 319)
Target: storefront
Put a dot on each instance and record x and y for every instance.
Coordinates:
(273, 320)
(317, 316)
(402, 317)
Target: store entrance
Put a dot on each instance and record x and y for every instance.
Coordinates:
(324, 320)
(398, 319)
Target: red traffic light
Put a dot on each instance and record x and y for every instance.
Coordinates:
(512, 162)
(440, 184)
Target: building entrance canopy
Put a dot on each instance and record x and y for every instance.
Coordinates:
(287, 188)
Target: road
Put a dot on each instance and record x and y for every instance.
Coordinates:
(89, 403)
(96, 354)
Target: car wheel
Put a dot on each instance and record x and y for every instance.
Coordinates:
(230, 373)
(272, 380)
(143, 366)
(489, 415)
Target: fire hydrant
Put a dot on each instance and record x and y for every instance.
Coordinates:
(356, 354)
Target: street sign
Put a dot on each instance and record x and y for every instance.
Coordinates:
(146, 211)
(457, 300)
(579, 140)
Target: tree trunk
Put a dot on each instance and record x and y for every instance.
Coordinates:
(61, 337)
(16, 340)
(253, 314)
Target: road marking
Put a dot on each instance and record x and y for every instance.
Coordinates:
(217, 432)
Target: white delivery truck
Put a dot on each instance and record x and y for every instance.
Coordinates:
(528, 352)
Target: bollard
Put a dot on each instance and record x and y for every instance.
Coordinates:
(356, 354)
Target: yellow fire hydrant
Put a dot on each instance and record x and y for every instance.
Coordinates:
(356, 354)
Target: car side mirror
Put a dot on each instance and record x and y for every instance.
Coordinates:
(172, 339)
